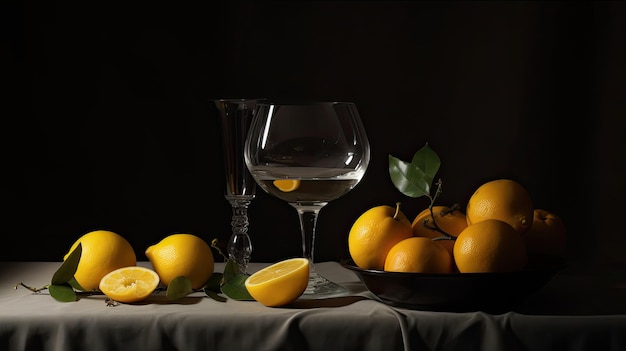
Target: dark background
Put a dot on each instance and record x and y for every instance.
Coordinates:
(107, 121)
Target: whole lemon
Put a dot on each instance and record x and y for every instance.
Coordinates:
(374, 233)
(451, 221)
(182, 255)
(502, 199)
(103, 251)
(547, 236)
(490, 246)
(419, 255)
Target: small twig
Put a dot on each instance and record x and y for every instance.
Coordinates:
(214, 244)
(443, 237)
(110, 302)
(452, 208)
(435, 226)
(35, 290)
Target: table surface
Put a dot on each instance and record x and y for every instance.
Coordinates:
(579, 309)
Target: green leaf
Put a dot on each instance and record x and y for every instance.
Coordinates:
(215, 296)
(415, 179)
(75, 285)
(407, 178)
(62, 292)
(212, 287)
(65, 273)
(233, 282)
(235, 288)
(178, 287)
(428, 161)
(214, 282)
(231, 270)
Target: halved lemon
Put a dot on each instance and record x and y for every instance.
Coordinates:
(129, 284)
(287, 185)
(280, 283)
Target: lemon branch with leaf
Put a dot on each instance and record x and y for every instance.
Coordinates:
(415, 179)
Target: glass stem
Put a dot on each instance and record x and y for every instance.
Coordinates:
(308, 223)
(239, 244)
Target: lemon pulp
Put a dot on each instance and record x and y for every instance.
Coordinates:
(287, 185)
(129, 284)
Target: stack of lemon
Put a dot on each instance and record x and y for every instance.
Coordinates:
(498, 232)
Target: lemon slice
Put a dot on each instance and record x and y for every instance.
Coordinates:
(287, 185)
(129, 284)
(280, 283)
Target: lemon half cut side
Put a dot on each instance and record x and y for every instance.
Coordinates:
(129, 284)
(280, 283)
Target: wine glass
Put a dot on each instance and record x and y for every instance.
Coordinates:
(320, 150)
(235, 117)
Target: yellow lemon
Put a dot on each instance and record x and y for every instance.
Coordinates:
(419, 255)
(102, 252)
(503, 199)
(490, 246)
(287, 185)
(129, 284)
(374, 233)
(182, 255)
(280, 283)
(547, 236)
(450, 221)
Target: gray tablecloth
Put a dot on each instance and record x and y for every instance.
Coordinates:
(575, 311)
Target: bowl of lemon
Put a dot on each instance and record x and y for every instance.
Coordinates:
(496, 292)
(490, 256)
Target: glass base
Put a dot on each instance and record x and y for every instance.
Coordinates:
(320, 287)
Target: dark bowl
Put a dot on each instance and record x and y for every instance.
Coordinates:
(459, 292)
